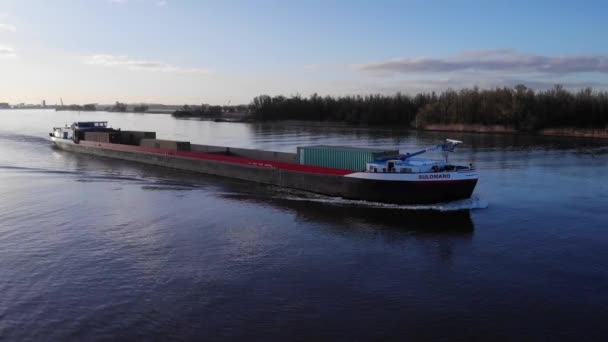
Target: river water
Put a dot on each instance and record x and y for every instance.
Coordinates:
(101, 249)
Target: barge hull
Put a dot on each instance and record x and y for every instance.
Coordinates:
(331, 182)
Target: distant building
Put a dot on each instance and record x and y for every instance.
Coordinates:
(5, 105)
(43, 103)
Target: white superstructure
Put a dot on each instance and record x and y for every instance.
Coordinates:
(65, 132)
(405, 167)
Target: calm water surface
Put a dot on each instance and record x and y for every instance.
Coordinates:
(100, 249)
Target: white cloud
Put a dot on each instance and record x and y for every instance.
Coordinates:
(500, 60)
(7, 52)
(135, 64)
(8, 27)
(425, 85)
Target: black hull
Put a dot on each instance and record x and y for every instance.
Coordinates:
(403, 192)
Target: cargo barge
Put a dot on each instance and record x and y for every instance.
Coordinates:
(354, 173)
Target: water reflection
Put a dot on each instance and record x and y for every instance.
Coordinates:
(403, 222)
(436, 234)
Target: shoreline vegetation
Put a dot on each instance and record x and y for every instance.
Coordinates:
(119, 107)
(556, 111)
(519, 109)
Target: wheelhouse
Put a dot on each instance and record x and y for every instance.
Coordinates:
(62, 132)
(90, 124)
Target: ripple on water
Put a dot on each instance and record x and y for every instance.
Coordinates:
(93, 248)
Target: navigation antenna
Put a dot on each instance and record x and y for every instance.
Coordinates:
(449, 146)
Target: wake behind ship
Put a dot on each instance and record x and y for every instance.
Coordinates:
(375, 175)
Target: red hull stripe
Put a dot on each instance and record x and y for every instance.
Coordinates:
(218, 157)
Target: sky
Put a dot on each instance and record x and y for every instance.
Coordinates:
(227, 52)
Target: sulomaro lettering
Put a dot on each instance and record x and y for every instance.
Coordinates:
(435, 176)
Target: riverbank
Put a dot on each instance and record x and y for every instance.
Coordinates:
(240, 117)
(128, 111)
(576, 132)
(562, 131)
(572, 132)
(468, 128)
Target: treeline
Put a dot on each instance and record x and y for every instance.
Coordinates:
(86, 108)
(204, 111)
(208, 111)
(519, 107)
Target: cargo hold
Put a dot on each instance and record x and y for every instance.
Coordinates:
(166, 144)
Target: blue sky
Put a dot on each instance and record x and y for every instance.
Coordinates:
(178, 51)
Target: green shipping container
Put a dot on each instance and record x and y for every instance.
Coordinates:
(340, 157)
